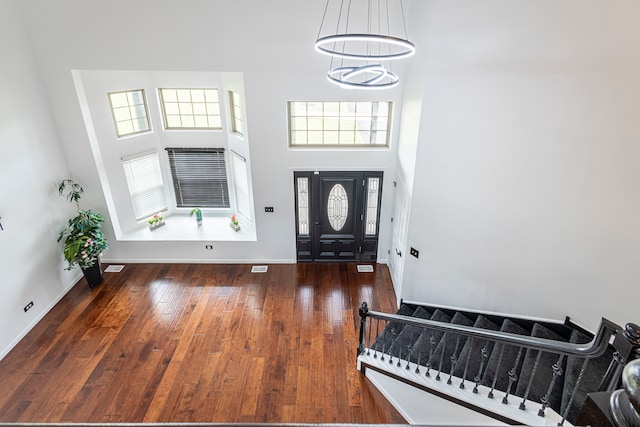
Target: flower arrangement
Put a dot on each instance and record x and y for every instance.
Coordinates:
(235, 224)
(155, 221)
(83, 238)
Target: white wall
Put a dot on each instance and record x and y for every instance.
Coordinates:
(527, 191)
(31, 211)
(266, 42)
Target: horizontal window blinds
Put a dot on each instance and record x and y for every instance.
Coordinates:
(199, 177)
(146, 187)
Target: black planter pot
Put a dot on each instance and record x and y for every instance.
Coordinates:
(93, 274)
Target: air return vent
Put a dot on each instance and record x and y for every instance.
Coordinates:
(114, 269)
(259, 268)
(365, 268)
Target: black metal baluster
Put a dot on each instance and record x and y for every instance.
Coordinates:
(393, 339)
(533, 375)
(512, 376)
(409, 351)
(454, 359)
(557, 371)
(495, 376)
(382, 354)
(375, 347)
(418, 365)
(362, 311)
(574, 392)
(443, 339)
(369, 337)
(427, 365)
(466, 365)
(485, 356)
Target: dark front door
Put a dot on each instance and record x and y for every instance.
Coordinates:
(337, 215)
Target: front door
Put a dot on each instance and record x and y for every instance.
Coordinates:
(337, 215)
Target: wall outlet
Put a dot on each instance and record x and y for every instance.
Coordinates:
(28, 306)
(268, 208)
(414, 252)
(208, 247)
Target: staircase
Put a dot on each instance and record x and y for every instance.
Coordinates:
(512, 369)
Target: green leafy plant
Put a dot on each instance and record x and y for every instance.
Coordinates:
(154, 219)
(234, 219)
(83, 238)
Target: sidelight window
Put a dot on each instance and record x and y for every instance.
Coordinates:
(302, 199)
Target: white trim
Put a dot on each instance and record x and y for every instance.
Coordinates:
(197, 261)
(528, 416)
(485, 312)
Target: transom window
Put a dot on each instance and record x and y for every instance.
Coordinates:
(129, 111)
(191, 108)
(339, 123)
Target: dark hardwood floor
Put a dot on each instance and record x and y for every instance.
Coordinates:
(202, 343)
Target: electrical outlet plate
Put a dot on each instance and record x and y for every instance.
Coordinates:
(268, 208)
(28, 306)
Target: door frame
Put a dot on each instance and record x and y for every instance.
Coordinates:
(309, 204)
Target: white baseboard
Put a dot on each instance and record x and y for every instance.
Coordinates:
(40, 315)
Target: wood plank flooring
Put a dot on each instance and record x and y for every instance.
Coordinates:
(202, 343)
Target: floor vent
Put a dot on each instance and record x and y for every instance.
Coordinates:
(114, 269)
(259, 268)
(365, 268)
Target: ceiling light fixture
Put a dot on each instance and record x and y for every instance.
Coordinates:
(366, 34)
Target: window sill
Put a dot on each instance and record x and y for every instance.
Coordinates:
(184, 228)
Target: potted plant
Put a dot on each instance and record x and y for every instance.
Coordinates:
(155, 221)
(83, 238)
(235, 224)
(198, 214)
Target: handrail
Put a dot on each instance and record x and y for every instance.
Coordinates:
(595, 348)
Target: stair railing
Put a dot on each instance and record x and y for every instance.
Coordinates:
(624, 341)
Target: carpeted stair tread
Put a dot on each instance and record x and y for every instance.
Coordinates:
(509, 354)
(405, 340)
(421, 348)
(472, 351)
(391, 331)
(448, 345)
(544, 372)
(596, 369)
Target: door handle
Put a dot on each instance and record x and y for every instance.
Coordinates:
(399, 253)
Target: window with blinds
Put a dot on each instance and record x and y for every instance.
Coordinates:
(199, 177)
(146, 187)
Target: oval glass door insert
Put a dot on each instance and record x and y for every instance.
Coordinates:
(337, 207)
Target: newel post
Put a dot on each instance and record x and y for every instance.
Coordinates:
(625, 403)
(627, 347)
(363, 311)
